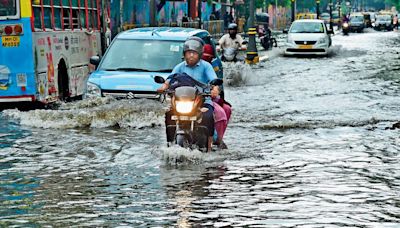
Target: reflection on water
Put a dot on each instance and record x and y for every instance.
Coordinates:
(309, 143)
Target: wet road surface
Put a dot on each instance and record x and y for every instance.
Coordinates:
(309, 145)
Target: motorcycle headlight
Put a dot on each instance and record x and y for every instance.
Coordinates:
(184, 107)
(92, 90)
(373, 24)
(345, 25)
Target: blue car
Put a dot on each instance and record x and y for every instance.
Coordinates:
(135, 57)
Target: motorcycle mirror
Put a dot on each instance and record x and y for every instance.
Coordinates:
(330, 31)
(159, 79)
(245, 42)
(285, 31)
(95, 60)
(217, 82)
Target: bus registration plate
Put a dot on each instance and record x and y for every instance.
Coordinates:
(10, 41)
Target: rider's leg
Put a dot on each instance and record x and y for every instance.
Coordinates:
(228, 111)
(208, 121)
(169, 125)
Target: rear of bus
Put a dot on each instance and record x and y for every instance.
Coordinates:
(17, 79)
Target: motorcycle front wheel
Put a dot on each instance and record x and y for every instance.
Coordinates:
(182, 140)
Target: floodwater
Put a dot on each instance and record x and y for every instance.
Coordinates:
(311, 144)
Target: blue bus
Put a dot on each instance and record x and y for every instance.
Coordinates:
(45, 47)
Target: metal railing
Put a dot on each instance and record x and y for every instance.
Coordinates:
(215, 28)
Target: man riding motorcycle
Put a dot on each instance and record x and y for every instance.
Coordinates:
(201, 71)
(232, 40)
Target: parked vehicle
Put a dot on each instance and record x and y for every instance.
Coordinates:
(136, 56)
(383, 22)
(356, 23)
(186, 102)
(307, 37)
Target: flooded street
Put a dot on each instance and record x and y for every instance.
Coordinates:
(310, 145)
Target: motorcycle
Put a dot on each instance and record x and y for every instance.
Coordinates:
(266, 39)
(345, 28)
(187, 98)
(232, 54)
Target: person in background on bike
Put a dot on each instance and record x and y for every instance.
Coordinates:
(232, 39)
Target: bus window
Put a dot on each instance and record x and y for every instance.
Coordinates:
(83, 19)
(75, 18)
(38, 17)
(47, 17)
(75, 3)
(66, 18)
(57, 18)
(8, 8)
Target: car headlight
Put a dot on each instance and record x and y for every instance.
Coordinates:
(289, 40)
(322, 40)
(92, 90)
(184, 107)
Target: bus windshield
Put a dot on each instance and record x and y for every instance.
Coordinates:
(8, 8)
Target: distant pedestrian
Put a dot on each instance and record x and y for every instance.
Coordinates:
(396, 22)
(185, 18)
(212, 16)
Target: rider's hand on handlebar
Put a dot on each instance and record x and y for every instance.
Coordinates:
(162, 88)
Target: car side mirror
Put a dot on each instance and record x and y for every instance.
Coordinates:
(159, 79)
(330, 31)
(285, 31)
(95, 60)
(217, 82)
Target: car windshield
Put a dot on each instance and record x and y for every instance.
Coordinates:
(8, 8)
(356, 19)
(383, 18)
(307, 27)
(143, 55)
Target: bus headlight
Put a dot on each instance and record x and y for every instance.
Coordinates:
(184, 107)
(93, 90)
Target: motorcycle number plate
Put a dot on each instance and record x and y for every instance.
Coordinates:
(305, 46)
(187, 118)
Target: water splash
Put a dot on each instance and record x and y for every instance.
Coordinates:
(94, 113)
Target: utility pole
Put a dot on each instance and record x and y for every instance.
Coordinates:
(318, 13)
(252, 54)
(330, 15)
(293, 9)
(152, 13)
(199, 11)
(339, 12)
